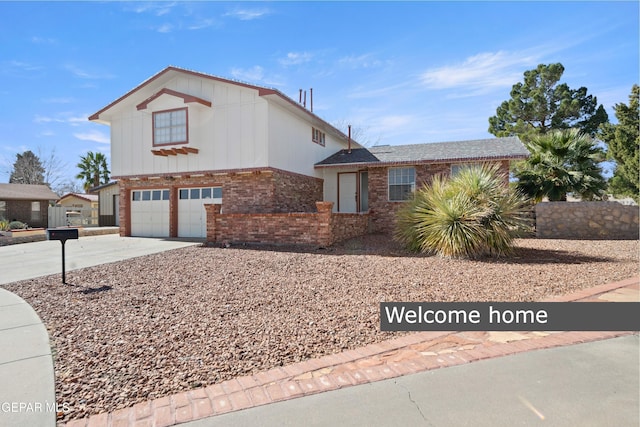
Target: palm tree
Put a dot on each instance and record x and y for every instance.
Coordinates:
(93, 170)
(561, 162)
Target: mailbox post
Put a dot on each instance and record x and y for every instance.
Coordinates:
(62, 234)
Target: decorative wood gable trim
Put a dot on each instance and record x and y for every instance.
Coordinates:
(186, 98)
(174, 151)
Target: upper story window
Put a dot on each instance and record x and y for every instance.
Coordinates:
(402, 182)
(170, 127)
(317, 136)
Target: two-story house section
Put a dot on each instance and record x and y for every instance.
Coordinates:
(183, 139)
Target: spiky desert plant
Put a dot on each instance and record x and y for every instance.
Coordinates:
(470, 215)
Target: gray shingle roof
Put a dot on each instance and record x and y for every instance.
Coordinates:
(480, 149)
(26, 192)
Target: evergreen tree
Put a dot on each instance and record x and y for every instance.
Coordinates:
(27, 169)
(541, 104)
(623, 140)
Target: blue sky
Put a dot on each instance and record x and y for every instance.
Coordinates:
(401, 72)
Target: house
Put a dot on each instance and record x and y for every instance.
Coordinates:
(183, 142)
(108, 203)
(380, 178)
(82, 209)
(26, 203)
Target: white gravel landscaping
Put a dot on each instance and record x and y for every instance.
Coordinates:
(147, 327)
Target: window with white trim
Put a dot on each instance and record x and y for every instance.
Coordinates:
(317, 136)
(402, 182)
(170, 127)
(3, 209)
(36, 215)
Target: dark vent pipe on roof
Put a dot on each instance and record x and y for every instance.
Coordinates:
(311, 98)
(349, 140)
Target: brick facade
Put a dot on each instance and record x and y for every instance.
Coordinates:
(383, 212)
(243, 191)
(20, 210)
(322, 228)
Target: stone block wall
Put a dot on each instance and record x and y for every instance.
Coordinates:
(586, 220)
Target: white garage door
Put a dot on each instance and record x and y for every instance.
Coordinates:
(150, 213)
(192, 217)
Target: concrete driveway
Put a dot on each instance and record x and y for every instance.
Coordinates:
(30, 260)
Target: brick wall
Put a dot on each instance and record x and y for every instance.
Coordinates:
(586, 220)
(321, 228)
(255, 191)
(20, 210)
(383, 211)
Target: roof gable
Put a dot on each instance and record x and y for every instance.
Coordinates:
(270, 94)
(26, 192)
(82, 196)
(186, 98)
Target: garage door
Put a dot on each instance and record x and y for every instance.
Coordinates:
(150, 213)
(192, 217)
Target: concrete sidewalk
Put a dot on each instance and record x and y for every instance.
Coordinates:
(592, 384)
(30, 260)
(27, 391)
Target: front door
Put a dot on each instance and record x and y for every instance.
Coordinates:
(348, 192)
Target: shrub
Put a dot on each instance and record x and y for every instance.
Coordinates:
(472, 214)
(17, 225)
(4, 224)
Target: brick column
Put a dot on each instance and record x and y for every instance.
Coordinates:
(213, 211)
(325, 232)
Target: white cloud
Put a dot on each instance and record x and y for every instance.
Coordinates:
(62, 118)
(43, 40)
(201, 24)
(20, 66)
(61, 100)
(248, 14)
(480, 72)
(94, 135)
(155, 8)
(366, 60)
(165, 28)
(84, 74)
(256, 73)
(296, 58)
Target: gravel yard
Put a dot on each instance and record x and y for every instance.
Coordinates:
(147, 327)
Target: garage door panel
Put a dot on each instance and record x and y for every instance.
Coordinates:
(192, 216)
(150, 213)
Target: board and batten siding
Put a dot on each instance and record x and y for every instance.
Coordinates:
(231, 134)
(290, 145)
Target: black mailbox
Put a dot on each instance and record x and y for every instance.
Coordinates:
(62, 234)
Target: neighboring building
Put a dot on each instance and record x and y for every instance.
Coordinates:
(26, 203)
(82, 209)
(108, 203)
(183, 139)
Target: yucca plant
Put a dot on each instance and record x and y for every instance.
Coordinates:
(472, 214)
